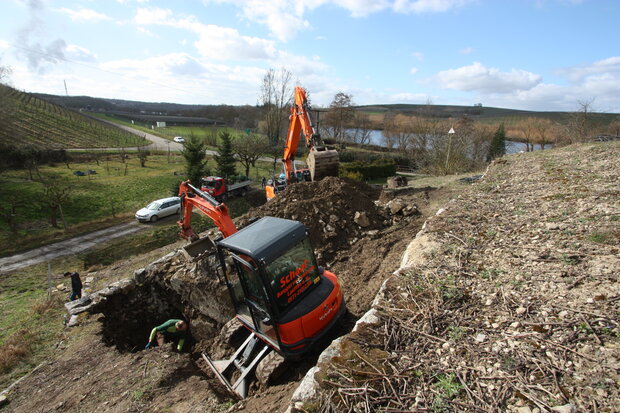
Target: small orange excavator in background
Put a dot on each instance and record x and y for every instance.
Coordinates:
(280, 294)
(321, 161)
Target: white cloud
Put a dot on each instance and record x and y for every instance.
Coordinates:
(4, 44)
(285, 19)
(466, 50)
(79, 54)
(214, 42)
(478, 78)
(427, 6)
(87, 15)
(224, 43)
(418, 55)
(579, 73)
(413, 70)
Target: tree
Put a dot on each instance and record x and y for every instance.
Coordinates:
(580, 123)
(225, 159)
(195, 160)
(55, 194)
(498, 144)
(275, 96)
(249, 148)
(340, 116)
(143, 155)
(362, 128)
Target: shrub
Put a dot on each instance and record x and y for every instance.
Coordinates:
(17, 347)
(380, 168)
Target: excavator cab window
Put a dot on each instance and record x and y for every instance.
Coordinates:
(250, 297)
(292, 274)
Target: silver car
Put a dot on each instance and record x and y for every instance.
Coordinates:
(159, 209)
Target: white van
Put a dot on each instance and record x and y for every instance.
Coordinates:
(159, 209)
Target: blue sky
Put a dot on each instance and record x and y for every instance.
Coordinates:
(542, 55)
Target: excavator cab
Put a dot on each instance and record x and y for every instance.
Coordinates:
(278, 290)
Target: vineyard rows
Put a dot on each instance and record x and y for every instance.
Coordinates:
(35, 121)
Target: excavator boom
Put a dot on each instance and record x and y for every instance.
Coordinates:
(321, 160)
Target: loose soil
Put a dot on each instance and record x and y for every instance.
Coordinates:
(539, 232)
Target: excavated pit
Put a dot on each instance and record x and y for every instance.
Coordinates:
(128, 317)
(357, 231)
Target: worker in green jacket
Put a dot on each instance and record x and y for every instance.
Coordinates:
(171, 330)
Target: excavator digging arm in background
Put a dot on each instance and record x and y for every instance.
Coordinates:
(321, 160)
(193, 197)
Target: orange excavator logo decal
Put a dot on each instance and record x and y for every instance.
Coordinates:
(295, 282)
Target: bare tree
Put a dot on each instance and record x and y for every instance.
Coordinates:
(340, 116)
(275, 97)
(55, 194)
(143, 155)
(361, 128)
(248, 148)
(399, 130)
(580, 123)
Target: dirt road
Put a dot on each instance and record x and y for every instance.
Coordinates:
(67, 247)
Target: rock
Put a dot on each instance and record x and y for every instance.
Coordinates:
(480, 337)
(89, 280)
(521, 310)
(361, 219)
(73, 321)
(395, 206)
(82, 302)
(567, 408)
(307, 388)
(524, 409)
(3, 400)
(61, 287)
(396, 181)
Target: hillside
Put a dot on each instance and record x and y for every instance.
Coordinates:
(28, 120)
(227, 113)
(506, 299)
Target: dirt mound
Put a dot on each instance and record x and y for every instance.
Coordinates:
(328, 208)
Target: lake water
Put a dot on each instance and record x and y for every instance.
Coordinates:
(376, 138)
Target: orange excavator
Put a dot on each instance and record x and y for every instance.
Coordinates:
(321, 160)
(280, 294)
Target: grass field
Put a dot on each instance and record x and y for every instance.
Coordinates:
(112, 195)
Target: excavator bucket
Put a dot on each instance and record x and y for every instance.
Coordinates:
(323, 163)
(243, 362)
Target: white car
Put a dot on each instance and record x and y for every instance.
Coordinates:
(159, 209)
(179, 139)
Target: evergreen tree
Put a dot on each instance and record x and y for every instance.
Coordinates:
(225, 158)
(498, 144)
(195, 158)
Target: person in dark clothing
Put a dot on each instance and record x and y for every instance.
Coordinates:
(76, 285)
(171, 330)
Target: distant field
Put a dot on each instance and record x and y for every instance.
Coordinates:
(169, 132)
(30, 120)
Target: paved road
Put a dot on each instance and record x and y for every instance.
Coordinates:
(67, 247)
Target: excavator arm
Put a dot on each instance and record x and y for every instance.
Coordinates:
(193, 197)
(321, 161)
